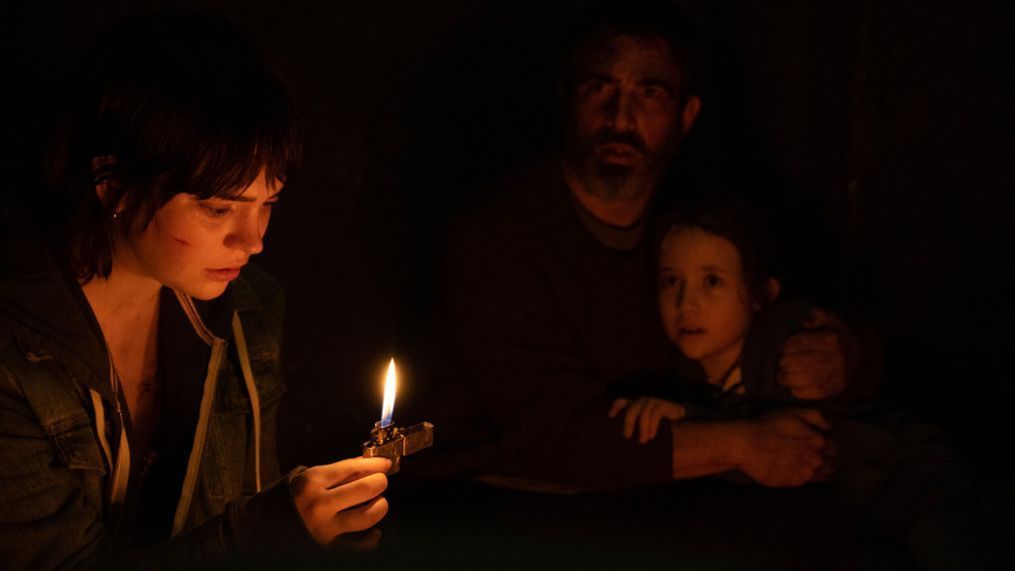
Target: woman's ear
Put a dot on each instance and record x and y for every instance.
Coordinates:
(103, 169)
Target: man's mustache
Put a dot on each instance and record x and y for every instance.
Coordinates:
(606, 136)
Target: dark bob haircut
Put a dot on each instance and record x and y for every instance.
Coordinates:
(604, 20)
(176, 102)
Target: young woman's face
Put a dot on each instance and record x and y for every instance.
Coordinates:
(199, 246)
(703, 298)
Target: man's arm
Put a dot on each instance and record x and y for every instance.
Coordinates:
(784, 448)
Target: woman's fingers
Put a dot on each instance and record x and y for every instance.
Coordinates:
(343, 471)
(352, 520)
(361, 518)
(356, 492)
(324, 494)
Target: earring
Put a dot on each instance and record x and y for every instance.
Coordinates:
(116, 217)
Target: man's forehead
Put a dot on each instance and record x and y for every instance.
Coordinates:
(648, 55)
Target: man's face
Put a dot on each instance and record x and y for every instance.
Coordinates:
(627, 117)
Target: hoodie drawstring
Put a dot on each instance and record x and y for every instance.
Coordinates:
(218, 348)
(255, 401)
(120, 467)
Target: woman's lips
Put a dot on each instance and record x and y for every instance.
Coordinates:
(224, 274)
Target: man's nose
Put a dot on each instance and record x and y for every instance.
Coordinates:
(621, 113)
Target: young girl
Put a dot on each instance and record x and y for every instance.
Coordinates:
(139, 350)
(717, 299)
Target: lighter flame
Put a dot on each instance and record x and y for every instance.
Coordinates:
(390, 382)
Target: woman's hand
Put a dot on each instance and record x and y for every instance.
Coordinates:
(342, 497)
(645, 414)
(785, 448)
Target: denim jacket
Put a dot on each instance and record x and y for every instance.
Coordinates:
(56, 466)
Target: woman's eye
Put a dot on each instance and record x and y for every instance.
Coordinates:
(713, 280)
(216, 211)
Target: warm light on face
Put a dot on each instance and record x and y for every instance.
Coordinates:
(390, 382)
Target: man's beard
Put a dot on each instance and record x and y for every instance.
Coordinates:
(613, 181)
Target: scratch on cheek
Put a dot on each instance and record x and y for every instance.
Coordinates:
(181, 242)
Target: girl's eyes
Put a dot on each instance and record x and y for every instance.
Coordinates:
(712, 280)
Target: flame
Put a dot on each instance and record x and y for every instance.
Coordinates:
(390, 382)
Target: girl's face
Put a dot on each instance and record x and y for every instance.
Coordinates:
(703, 298)
(199, 246)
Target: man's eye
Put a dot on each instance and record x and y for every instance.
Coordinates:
(712, 280)
(596, 88)
(656, 94)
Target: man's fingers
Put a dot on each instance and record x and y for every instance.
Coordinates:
(343, 471)
(812, 340)
(617, 406)
(357, 492)
(813, 393)
(817, 318)
(808, 361)
(633, 411)
(813, 417)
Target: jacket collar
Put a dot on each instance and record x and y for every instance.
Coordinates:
(54, 319)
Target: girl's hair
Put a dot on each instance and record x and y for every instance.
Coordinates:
(745, 227)
(167, 103)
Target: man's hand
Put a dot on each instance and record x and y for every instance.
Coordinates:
(785, 448)
(812, 364)
(342, 497)
(645, 414)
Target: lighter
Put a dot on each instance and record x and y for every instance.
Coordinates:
(389, 441)
(392, 442)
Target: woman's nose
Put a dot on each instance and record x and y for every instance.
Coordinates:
(247, 236)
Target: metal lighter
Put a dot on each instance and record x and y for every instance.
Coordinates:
(392, 442)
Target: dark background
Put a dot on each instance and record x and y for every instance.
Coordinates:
(886, 127)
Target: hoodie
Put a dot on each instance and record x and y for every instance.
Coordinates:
(70, 492)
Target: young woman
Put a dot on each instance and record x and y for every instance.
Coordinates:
(139, 350)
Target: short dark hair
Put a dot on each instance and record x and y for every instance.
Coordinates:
(742, 223)
(604, 20)
(174, 102)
